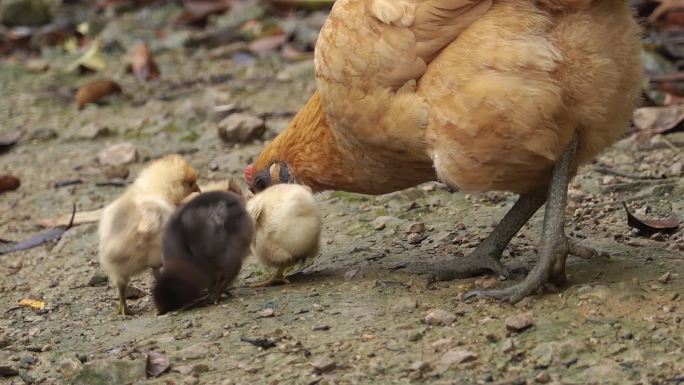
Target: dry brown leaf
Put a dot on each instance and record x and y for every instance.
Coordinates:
(79, 219)
(659, 119)
(651, 226)
(197, 11)
(9, 183)
(32, 303)
(95, 90)
(664, 7)
(139, 61)
(266, 44)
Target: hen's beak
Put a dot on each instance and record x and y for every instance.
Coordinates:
(195, 188)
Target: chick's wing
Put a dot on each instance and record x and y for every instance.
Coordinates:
(153, 215)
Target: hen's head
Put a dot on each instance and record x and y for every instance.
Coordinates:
(260, 175)
(171, 176)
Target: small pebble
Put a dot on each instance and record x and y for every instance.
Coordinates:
(416, 228)
(520, 322)
(665, 278)
(542, 378)
(324, 365)
(439, 317)
(420, 366)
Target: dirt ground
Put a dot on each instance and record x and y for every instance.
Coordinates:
(347, 317)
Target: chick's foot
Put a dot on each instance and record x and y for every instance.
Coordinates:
(123, 309)
(555, 246)
(277, 279)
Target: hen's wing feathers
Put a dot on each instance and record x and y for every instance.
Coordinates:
(369, 57)
(389, 42)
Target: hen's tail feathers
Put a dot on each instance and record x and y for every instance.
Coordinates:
(180, 284)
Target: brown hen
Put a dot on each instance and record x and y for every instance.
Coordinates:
(480, 94)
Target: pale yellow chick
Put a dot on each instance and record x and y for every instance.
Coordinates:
(288, 228)
(131, 226)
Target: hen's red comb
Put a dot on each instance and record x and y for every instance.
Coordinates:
(249, 174)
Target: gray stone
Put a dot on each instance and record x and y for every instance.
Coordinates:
(440, 317)
(520, 322)
(240, 128)
(118, 154)
(112, 371)
(324, 365)
(458, 356)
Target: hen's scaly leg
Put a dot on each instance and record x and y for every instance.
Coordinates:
(555, 246)
(123, 308)
(487, 255)
(276, 279)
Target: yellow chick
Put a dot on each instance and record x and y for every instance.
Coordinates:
(288, 228)
(131, 226)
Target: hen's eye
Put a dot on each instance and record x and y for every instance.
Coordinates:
(260, 183)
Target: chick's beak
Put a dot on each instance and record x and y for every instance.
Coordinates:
(195, 188)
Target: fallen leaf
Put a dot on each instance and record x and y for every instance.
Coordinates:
(650, 226)
(664, 7)
(90, 60)
(288, 52)
(266, 44)
(95, 90)
(659, 119)
(41, 238)
(79, 219)
(32, 303)
(309, 5)
(157, 364)
(9, 183)
(140, 62)
(196, 11)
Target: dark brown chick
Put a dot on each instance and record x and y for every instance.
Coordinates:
(203, 247)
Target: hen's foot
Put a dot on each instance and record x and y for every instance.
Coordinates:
(555, 246)
(276, 279)
(487, 255)
(553, 272)
(473, 265)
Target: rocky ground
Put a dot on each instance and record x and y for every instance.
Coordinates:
(347, 317)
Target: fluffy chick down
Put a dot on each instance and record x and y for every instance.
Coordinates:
(203, 247)
(288, 227)
(131, 226)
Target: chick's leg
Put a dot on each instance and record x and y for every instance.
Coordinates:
(218, 290)
(555, 246)
(487, 255)
(123, 308)
(276, 279)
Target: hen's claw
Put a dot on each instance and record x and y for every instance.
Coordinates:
(469, 266)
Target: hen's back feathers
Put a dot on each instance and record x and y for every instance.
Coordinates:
(492, 91)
